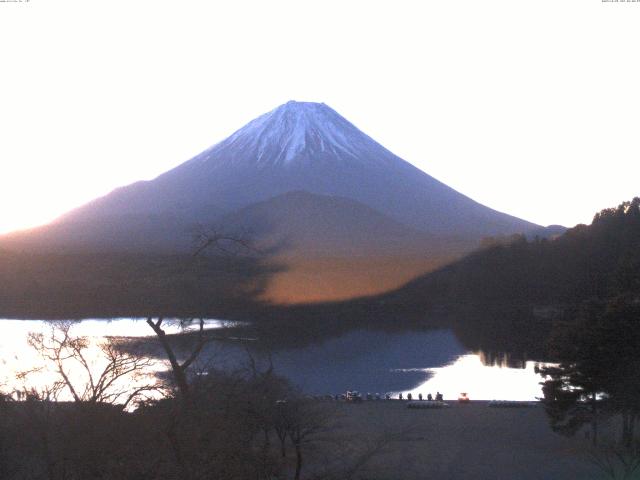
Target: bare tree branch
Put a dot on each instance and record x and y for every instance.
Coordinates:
(107, 380)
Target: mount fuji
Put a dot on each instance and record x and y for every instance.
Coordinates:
(302, 146)
(305, 178)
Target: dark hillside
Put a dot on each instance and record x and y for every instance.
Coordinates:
(600, 260)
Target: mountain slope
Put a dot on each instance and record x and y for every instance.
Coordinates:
(334, 247)
(299, 223)
(310, 147)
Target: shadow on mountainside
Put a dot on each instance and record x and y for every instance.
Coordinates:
(49, 286)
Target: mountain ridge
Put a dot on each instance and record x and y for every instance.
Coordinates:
(248, 167)
(327, 225)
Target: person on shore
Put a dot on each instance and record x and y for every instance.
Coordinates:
(409, 397)
(400, 397)
(420, 396)
(429, 397)
(439, 397)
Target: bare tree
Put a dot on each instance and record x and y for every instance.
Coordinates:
(208, 238)
(204, 239)
(105, 379)
(179, 369)
(301, 421)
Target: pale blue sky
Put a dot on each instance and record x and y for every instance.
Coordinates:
(530, 107)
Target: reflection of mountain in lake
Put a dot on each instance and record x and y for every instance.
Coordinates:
(369, 361)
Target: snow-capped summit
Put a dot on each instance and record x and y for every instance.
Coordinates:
(294, 132)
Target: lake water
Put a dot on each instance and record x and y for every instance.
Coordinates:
(365, 360)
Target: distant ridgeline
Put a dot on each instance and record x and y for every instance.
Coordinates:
(601, 260)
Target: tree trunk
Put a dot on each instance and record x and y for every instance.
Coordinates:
(282, 436)
(298, 462)
(594, 419)
(626, 429)
(179, 375)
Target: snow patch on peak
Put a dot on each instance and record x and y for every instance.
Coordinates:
(297, 132)
(293, 129)
(296, 103)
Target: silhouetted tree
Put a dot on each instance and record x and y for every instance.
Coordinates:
(301, 421)
(115, 377)
(179, 368)
(204, 240)
(599, 369)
